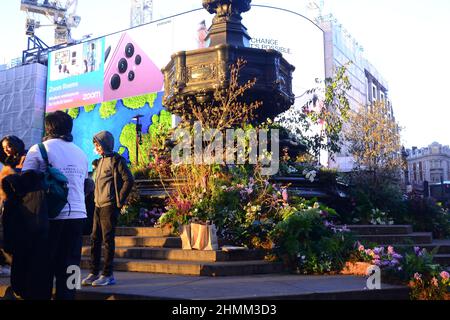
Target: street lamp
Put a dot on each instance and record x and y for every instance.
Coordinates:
(138, 135)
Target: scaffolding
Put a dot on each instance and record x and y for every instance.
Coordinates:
(141, 12)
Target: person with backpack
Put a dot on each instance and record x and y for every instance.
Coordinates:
(59, 157)
(113, 184)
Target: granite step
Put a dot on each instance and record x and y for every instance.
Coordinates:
(442, 259)
(213, 269)
(143, 231)
(143, 241)
(183, 255)
(442, 246)
(381, 229)
(411, 238)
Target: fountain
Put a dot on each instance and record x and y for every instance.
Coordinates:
(193, 76)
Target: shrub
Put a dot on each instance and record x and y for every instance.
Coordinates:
(308, 242)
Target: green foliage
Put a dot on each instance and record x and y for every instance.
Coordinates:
(367, 196)
(140, 101)
(89, 108)
(74, 112)
(108, 109)
(318, 124)
(308, 242)
(429, 216)
(159, 130)
(128, 139)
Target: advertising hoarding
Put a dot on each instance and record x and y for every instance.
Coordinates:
(128, 63)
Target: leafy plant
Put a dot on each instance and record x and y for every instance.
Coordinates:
(308, 242)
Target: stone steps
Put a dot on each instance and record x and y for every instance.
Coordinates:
(143, 241)
(143, 232)
(381, 229)
(227, 268)
(442, 248)
(183, 255)
(393, 239)
(442, 259)
(402, 236)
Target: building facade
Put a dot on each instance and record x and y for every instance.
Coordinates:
(367, 84)
(431, 164)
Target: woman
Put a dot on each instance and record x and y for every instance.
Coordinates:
(12, 156)
(12, 152)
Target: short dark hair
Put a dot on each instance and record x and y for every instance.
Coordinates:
(58, 123)
(95, 162)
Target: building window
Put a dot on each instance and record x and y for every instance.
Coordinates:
(420, 171)
(382, 97)
(374, 93)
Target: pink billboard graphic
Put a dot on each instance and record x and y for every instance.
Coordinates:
(130, 72)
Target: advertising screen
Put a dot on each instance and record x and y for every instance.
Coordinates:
(128, 63)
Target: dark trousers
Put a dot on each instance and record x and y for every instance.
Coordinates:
(104, 232)
(66, 239)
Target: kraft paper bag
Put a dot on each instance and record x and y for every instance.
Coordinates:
(186, 237)
(199, 236)
(212, 243)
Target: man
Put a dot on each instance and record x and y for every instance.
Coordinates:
(113, 183)
(65, 231)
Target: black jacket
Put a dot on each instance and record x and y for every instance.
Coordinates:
(113, 178)
(26, 230)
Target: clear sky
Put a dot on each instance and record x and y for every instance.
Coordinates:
(406, 40)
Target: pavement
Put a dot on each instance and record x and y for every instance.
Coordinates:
(146, 286)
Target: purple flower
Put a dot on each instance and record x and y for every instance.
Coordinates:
(376, 262)
(378, 250)
(416, 250)
(394, 262)
(397, 256)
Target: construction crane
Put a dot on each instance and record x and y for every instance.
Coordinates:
(61, 15)
(141, 12)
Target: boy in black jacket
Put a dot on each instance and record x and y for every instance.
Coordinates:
(113, 183)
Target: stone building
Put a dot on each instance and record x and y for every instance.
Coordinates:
(431, 164)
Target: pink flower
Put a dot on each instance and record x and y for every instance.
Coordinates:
(417, 276)
(434, 282)
(444, 275)
(391, 250)
(361, 248)
(285, 195)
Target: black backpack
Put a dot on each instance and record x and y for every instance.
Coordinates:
(55, 186)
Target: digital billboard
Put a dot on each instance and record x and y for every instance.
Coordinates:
(128, 63)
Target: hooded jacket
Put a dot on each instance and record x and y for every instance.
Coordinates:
(113, 178)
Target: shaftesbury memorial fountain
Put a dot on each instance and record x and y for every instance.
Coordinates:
(193, 76)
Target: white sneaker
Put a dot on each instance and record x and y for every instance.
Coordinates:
(5, 272)
(89, 279)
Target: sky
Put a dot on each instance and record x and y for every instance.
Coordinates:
(406, 40)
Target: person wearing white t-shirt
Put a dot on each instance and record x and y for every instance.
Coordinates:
(66, 230)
